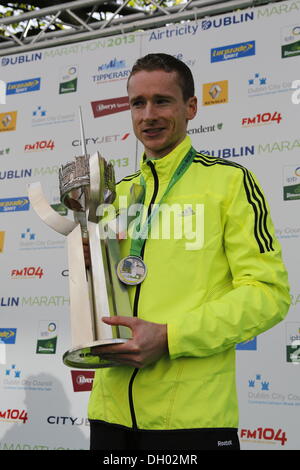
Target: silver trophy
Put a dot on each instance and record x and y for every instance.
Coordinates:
(95, 290)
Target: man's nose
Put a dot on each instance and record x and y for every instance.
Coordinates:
(149, 112)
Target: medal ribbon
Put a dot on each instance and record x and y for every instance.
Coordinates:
(137, 242)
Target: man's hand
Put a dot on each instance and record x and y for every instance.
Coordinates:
(149, 342)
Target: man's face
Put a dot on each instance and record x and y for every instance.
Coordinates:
(159, 113)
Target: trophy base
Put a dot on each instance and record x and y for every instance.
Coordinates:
(82, 357)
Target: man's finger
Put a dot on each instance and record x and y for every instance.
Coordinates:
(119, 320)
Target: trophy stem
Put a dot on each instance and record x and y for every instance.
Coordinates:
(91, 297)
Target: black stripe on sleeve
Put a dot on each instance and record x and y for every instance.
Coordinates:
(130, 177)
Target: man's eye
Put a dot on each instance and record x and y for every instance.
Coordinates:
(137, 104)
(162, 101)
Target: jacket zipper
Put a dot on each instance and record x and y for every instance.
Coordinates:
(137, 296)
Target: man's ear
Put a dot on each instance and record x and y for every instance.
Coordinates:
(192, 106)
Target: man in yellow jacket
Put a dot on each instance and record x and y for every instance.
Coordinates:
(216, 279)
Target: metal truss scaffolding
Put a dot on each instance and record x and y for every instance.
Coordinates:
(82, 20)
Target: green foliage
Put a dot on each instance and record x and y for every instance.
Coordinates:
(11, 9)
(148, 5)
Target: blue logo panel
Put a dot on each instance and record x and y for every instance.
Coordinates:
(14, 204)
(233, 51)
(247, 345)
(8, 335)
(23, 86)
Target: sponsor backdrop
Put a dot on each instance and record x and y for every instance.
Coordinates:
(246, 68)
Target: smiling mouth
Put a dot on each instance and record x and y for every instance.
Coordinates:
(153, 131)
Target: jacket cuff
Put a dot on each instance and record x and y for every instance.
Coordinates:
(173, 343)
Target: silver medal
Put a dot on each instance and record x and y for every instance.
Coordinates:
(131, 270)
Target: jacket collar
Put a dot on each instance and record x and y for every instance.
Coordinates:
(166, 166)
